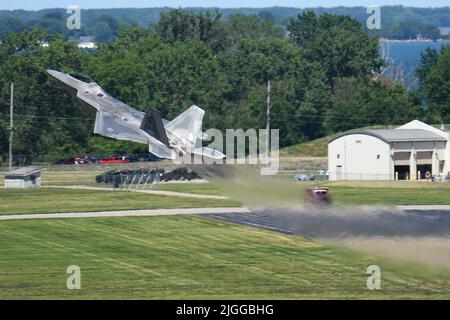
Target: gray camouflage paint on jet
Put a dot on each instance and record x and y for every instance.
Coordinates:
(114, 119)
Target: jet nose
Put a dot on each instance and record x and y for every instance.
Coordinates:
(52, 72)
(66, 79)
(55, 74)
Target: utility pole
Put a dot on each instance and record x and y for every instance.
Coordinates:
(11, 127)
(386, 114)
(268, 119)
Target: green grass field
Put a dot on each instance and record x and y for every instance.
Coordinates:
(197, 188)
(354, 192)
(187, 257)
(390, 196)
(389, 192)
(314, 148)
(49, 200)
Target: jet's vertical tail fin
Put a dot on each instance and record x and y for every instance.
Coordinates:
(188, 125)
(153, 125)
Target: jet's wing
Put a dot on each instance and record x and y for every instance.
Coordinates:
(103, 101)
(110, 126)
(162, 151)
(208, 152)
(117, 124)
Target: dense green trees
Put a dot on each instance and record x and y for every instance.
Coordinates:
(298, 87)
(434, 74)
(338, 42)
(356, 104)
(179, 25)
(46, 120)
(322, 80)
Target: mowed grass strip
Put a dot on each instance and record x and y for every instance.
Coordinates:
(53, 200)
(197, 188)
(390, 196)
(189, 257)
(314, 148)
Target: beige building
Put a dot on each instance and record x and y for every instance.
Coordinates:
(405, 153)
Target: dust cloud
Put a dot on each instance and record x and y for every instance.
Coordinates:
(420, 237)
(245, 183)
(430, 251)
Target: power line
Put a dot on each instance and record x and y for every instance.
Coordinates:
(52, 117)
(325, 117)
(383, 118)
(296, 116)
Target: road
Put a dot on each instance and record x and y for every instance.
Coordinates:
(329, 222)
(127, 213)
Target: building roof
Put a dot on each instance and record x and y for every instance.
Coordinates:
(86, 39)
(396, 135)
(87, 45)
(25, 171)
(444, 31)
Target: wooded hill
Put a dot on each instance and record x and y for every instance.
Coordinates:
(398, 22)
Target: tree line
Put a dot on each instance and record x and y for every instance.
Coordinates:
(398, 22)
(325, 78)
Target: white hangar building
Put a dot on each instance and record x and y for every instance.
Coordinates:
(405, 153)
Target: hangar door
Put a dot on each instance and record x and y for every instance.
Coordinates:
(401, 165)
(424, 163)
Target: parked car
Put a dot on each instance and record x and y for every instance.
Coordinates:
(94, 157)
(304, 177)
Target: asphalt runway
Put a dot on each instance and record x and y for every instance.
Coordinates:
(418, 236)
(346, 222)
(254, 219)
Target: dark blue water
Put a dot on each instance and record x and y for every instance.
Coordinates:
(409, 52)
(407, 55)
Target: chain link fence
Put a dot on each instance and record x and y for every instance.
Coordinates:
(86, 174)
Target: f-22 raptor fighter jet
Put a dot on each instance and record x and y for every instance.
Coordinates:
(114, 119)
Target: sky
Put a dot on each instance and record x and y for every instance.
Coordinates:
(87, 4)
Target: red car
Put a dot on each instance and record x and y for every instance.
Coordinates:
(114, 159)
(318, 195)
